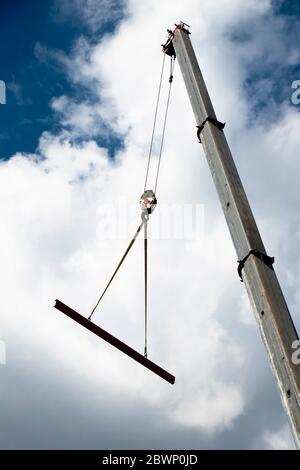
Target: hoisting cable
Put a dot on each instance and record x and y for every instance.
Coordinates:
(148, 200)
(172, 63)
(148, 203)
(155, 119)
(146, 284)
(155, 187)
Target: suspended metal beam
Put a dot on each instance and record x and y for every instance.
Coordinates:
(270, 308)
(114, 341)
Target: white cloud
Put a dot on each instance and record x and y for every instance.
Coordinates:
(280, 440)
(93, 13)
(52, 231)
(79, 117)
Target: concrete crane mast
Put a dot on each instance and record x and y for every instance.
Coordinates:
(255, 266)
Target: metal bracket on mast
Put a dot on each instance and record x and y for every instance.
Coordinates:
(168, 47)
(219, 125)
(268, 260)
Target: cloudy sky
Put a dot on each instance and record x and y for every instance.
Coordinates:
(81, 79)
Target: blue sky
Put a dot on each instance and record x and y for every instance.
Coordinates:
(32, 83)
(81, 84)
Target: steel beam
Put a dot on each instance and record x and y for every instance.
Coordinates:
(89, 325)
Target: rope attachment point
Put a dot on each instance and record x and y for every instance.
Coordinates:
(219, 125)
(268, 260)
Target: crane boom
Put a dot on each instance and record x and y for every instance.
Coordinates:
(275, 323)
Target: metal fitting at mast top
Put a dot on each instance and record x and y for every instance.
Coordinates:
(168, 47)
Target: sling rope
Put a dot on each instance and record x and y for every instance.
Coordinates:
(147, 210)
(117, 268)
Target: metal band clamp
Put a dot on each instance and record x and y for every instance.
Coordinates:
(268, 260)
(214, 121)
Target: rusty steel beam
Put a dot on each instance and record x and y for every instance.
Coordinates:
(89, 325)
